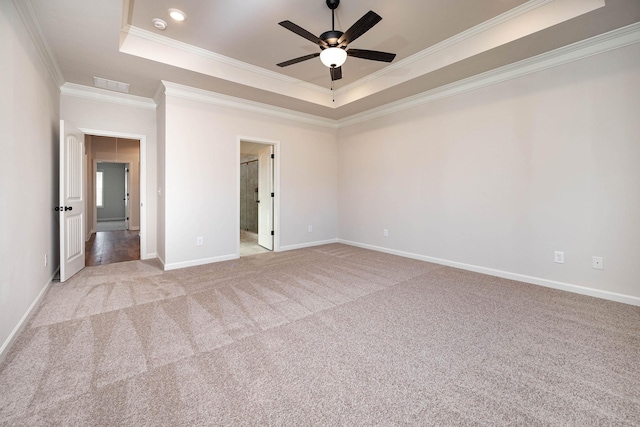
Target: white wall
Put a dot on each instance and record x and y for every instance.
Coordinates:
(202, 179)
(29, 114)
(503, 176)
(119, 119)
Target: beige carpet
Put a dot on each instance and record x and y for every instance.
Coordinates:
(333, 335)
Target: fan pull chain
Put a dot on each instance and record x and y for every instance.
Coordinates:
(333, 94)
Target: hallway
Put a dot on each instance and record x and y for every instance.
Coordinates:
(108, 247)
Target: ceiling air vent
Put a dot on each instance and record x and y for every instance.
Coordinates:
(111, 85)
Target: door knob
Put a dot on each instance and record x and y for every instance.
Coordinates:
(68, 208)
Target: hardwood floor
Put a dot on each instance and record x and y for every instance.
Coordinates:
(108, 247)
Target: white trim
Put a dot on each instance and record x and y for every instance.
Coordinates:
(151, 256)
(583, 49)
(29, 18)
(221, 59)
(195, 94)
(593, 46)
(158, 97)
(576, 289)
(308, 245)
(148, 45)
(448, 43)
(196, 262)
(97, 94)
(25, 318)
(143, 179)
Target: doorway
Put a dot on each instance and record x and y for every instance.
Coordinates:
(113, 200)
(112, 196)
(257, 198)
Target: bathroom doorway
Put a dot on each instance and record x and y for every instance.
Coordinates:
(256, 198)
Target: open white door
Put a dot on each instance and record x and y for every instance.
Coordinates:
(71, 201)
(265, 197)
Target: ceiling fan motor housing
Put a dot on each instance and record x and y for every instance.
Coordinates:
(331, 37)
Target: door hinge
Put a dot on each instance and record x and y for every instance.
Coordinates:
(273, 195)
(272, 232)
(127, 218)
(273, 156)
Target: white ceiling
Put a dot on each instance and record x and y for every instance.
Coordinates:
(231, 47)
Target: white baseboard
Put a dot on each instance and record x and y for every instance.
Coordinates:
(577, 289)
(306, 245)
(110, 219)
(196, 262)
(25, 318)
(151, 256)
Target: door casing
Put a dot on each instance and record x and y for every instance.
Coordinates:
(276, 187)
(143, 181)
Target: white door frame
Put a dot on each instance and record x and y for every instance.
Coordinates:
(143, 180)
(276, 187)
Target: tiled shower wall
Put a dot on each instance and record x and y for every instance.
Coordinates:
(249, 193)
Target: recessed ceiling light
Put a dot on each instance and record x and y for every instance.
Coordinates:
(178, 15)
(159, 24)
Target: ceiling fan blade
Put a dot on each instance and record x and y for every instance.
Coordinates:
(336, 73)
(363, 25)
(373, 55)
(303, 33)
(296, 60)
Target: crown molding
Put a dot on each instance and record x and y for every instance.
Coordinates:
(522, 21)
(96, 94)
(615, 39)
(593, 46)
(166, 41)
(146, 44)
(471, 32)
(29, 18)
(158, 97)
(191, 93)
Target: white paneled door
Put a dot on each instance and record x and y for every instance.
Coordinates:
(71, 207)
(265, 197)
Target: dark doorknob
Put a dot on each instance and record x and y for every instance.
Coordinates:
(68, 208)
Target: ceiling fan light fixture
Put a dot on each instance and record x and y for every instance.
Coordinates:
(177, 15)
(333, 57)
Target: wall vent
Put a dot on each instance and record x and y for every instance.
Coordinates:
(111, 85)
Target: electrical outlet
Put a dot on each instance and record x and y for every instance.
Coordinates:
(310, 228)
(385, 232)
(46, 260)
(598, 263)
(558, 257)
(199, 241)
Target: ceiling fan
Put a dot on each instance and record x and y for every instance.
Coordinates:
(334, 44)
